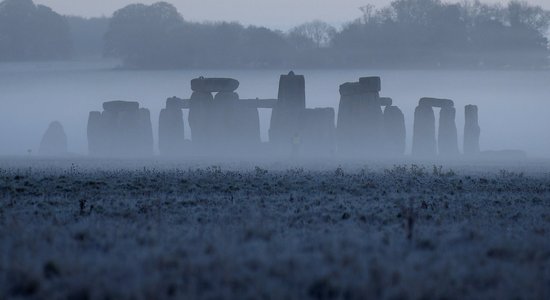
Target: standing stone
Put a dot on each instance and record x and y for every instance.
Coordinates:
(317, 131)
(447, 136)
(94, 134)
(109, 132)
(223, 112)
(247, 128)
(54, 141)
(171, 132)
(146, 132)
(424, 142)
(200, 119)
(374, 124)
(128, 141)
(394, 131)
(351, 120)
(121, 130)
(285, 116)
(360, 118)
(471, 130)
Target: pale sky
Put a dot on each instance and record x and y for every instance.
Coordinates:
(281, 14)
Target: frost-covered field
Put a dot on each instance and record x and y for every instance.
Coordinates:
(153, 230)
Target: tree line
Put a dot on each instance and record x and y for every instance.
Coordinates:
(404, 34)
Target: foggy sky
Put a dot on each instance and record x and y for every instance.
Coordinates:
(281, 14)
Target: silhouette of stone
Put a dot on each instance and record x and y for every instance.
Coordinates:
(352, 88)
(385, 101)
(54, 141)
(246, 128)
(447, 140)
(121, 130)
(94, 133)
(371, 84)
(424, 142)
(119, 106)
(214, 85)
(317, 131)
(471, 130)
(171, 132)
(146, 132)
(223, 119)
(435, 102)
(360, 118)
(200, 119)
(285, 116)
(394, 131)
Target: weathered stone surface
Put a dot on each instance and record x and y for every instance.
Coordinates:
(394, 131)
(424, 142)
(435, 102)
(171, 132)
(472, 130)
(371, 84)
(95, 134)
(119, 106)
(214, 85)
(447, 140)
(54, 141)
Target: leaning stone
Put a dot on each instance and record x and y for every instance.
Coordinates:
(371, 84)
(214, 85)
(54, 141)
(119, 106)
(424, 142)
(447, 140)
(435, 102)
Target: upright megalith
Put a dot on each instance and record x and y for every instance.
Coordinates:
(317, 132)
(121, 130)
(95, 133)
(171, 132)
(200, 118)
(285, 116)
(394, 131)
(54, 141)
(424, 142)
(447, 138)
(471, 130)
(360, 118)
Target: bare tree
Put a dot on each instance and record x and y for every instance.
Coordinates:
(319, 33)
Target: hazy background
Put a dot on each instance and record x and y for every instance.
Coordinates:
(280, 14)
(52, 67)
